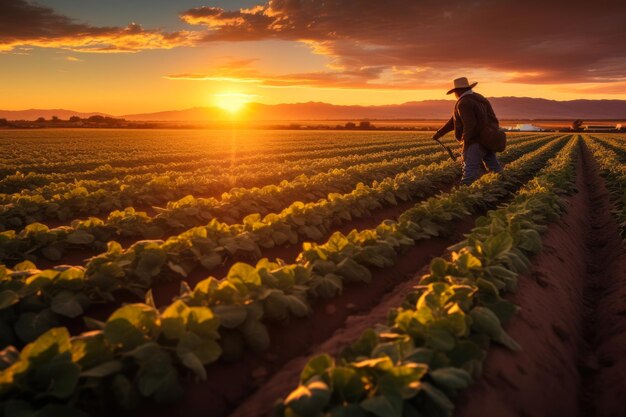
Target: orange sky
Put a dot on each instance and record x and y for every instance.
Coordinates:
(93, 57)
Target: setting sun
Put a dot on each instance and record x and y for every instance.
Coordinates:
(232, 102)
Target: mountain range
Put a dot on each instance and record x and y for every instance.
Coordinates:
(517, 108)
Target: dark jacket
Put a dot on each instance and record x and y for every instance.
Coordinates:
(472, 115)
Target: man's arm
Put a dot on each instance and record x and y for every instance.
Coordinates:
(448, 127)
(470, 120)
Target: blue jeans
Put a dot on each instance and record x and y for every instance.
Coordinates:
(476, 160)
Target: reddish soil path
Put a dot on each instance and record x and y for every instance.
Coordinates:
(572, 323)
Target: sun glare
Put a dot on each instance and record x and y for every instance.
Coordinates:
(232, 102)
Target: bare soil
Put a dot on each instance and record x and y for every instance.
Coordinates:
(572, 323)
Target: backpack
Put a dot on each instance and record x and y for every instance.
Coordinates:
(491, 136)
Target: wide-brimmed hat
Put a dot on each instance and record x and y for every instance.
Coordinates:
(461, 83)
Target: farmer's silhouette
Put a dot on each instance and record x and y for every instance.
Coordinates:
(476, 125)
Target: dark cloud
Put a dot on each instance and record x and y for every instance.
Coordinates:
(532, 41)
(27, 24)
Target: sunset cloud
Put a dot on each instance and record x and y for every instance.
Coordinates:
(27, 24)
(366, 78)
(537, 41)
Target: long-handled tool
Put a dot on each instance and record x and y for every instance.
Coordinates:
(452, 155)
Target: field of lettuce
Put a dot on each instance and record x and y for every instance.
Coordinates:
(307, 274)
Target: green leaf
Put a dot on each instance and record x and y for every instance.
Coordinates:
(383, 406)
(297, 306)
(203, 322)
(244, 273)
(230, 316)
(211, 261)
(316, 366)
(66, 304)
(25, 266)
(309, 400)
(451, 378)
(60, 376)
(352, 271)
(255, 334)
(53, 342)
(275, 305)
(103, 370)
(151, 259)
(195, 352)
(8, 298)
(29, 326)
(439, 339)
(438, 267)
(71, 278)
(177, 268)
(347, 384)
(156, 373)
(174, 320)
(485, 321)
(439, 399)
(123, 335)
(52, 253)
(466, 262)
(131, 325)
(328, 286)
(90, 349)
(192, 362)
(498, 245)
(79, 237)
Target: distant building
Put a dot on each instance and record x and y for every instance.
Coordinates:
(526, 128)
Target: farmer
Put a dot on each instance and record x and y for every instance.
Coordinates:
(475, 124)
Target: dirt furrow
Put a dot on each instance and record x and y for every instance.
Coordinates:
(603, 366)
(572, 321)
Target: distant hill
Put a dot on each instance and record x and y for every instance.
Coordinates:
(195, 114)
(34, 114)
(505, 107)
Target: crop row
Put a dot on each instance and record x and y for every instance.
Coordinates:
(225, 168)
(138, 352)
(215, 164)
(614, 170)
(435, 343)
(72, 200)
(615, 144)
(38, 239)
(76, 156)
(52, 156)
(296, 222)
(37, 300)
